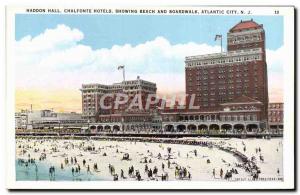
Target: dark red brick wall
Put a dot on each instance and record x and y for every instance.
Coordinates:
(253, 81)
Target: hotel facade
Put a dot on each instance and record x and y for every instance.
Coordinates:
(276, 119)
(123, 118)
(230, 90)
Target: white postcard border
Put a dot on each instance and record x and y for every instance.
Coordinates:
(288, 141)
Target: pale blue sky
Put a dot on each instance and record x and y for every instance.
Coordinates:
(104, 31)
(82, 48)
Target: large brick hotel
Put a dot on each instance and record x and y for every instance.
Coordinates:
(230, 89)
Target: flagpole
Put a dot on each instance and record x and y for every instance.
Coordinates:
(124, 73)
(221, 44)
(220, 37)
(123, 69)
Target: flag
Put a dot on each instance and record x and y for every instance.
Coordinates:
(218, 37)
(121, 67)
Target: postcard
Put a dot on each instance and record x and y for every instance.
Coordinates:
(150, 98)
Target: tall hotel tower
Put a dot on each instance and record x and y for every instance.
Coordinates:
(226, 81)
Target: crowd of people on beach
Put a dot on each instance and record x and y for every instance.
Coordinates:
(167, 157)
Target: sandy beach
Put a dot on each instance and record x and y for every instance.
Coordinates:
(199, 162)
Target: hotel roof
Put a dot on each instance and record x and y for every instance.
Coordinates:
(248, 24)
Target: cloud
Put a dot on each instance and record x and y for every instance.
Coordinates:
(56, 39)
(56, 59)
(275, 63)
(275, 59)
(275, 82)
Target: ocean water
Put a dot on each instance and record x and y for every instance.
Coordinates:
(40, 172)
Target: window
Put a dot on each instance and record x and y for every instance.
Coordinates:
(248, 117)
(241, 117)
(222, 118)
(254, 117)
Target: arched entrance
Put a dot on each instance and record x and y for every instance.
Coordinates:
(116, 128)
(252, 128)
(107, 128)
(181, 128)
(202, 127)
(192, 127)
(99, 128)
(239, 127)
(226, 127)
(169, 128)
(214, 127)
(93, 128)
